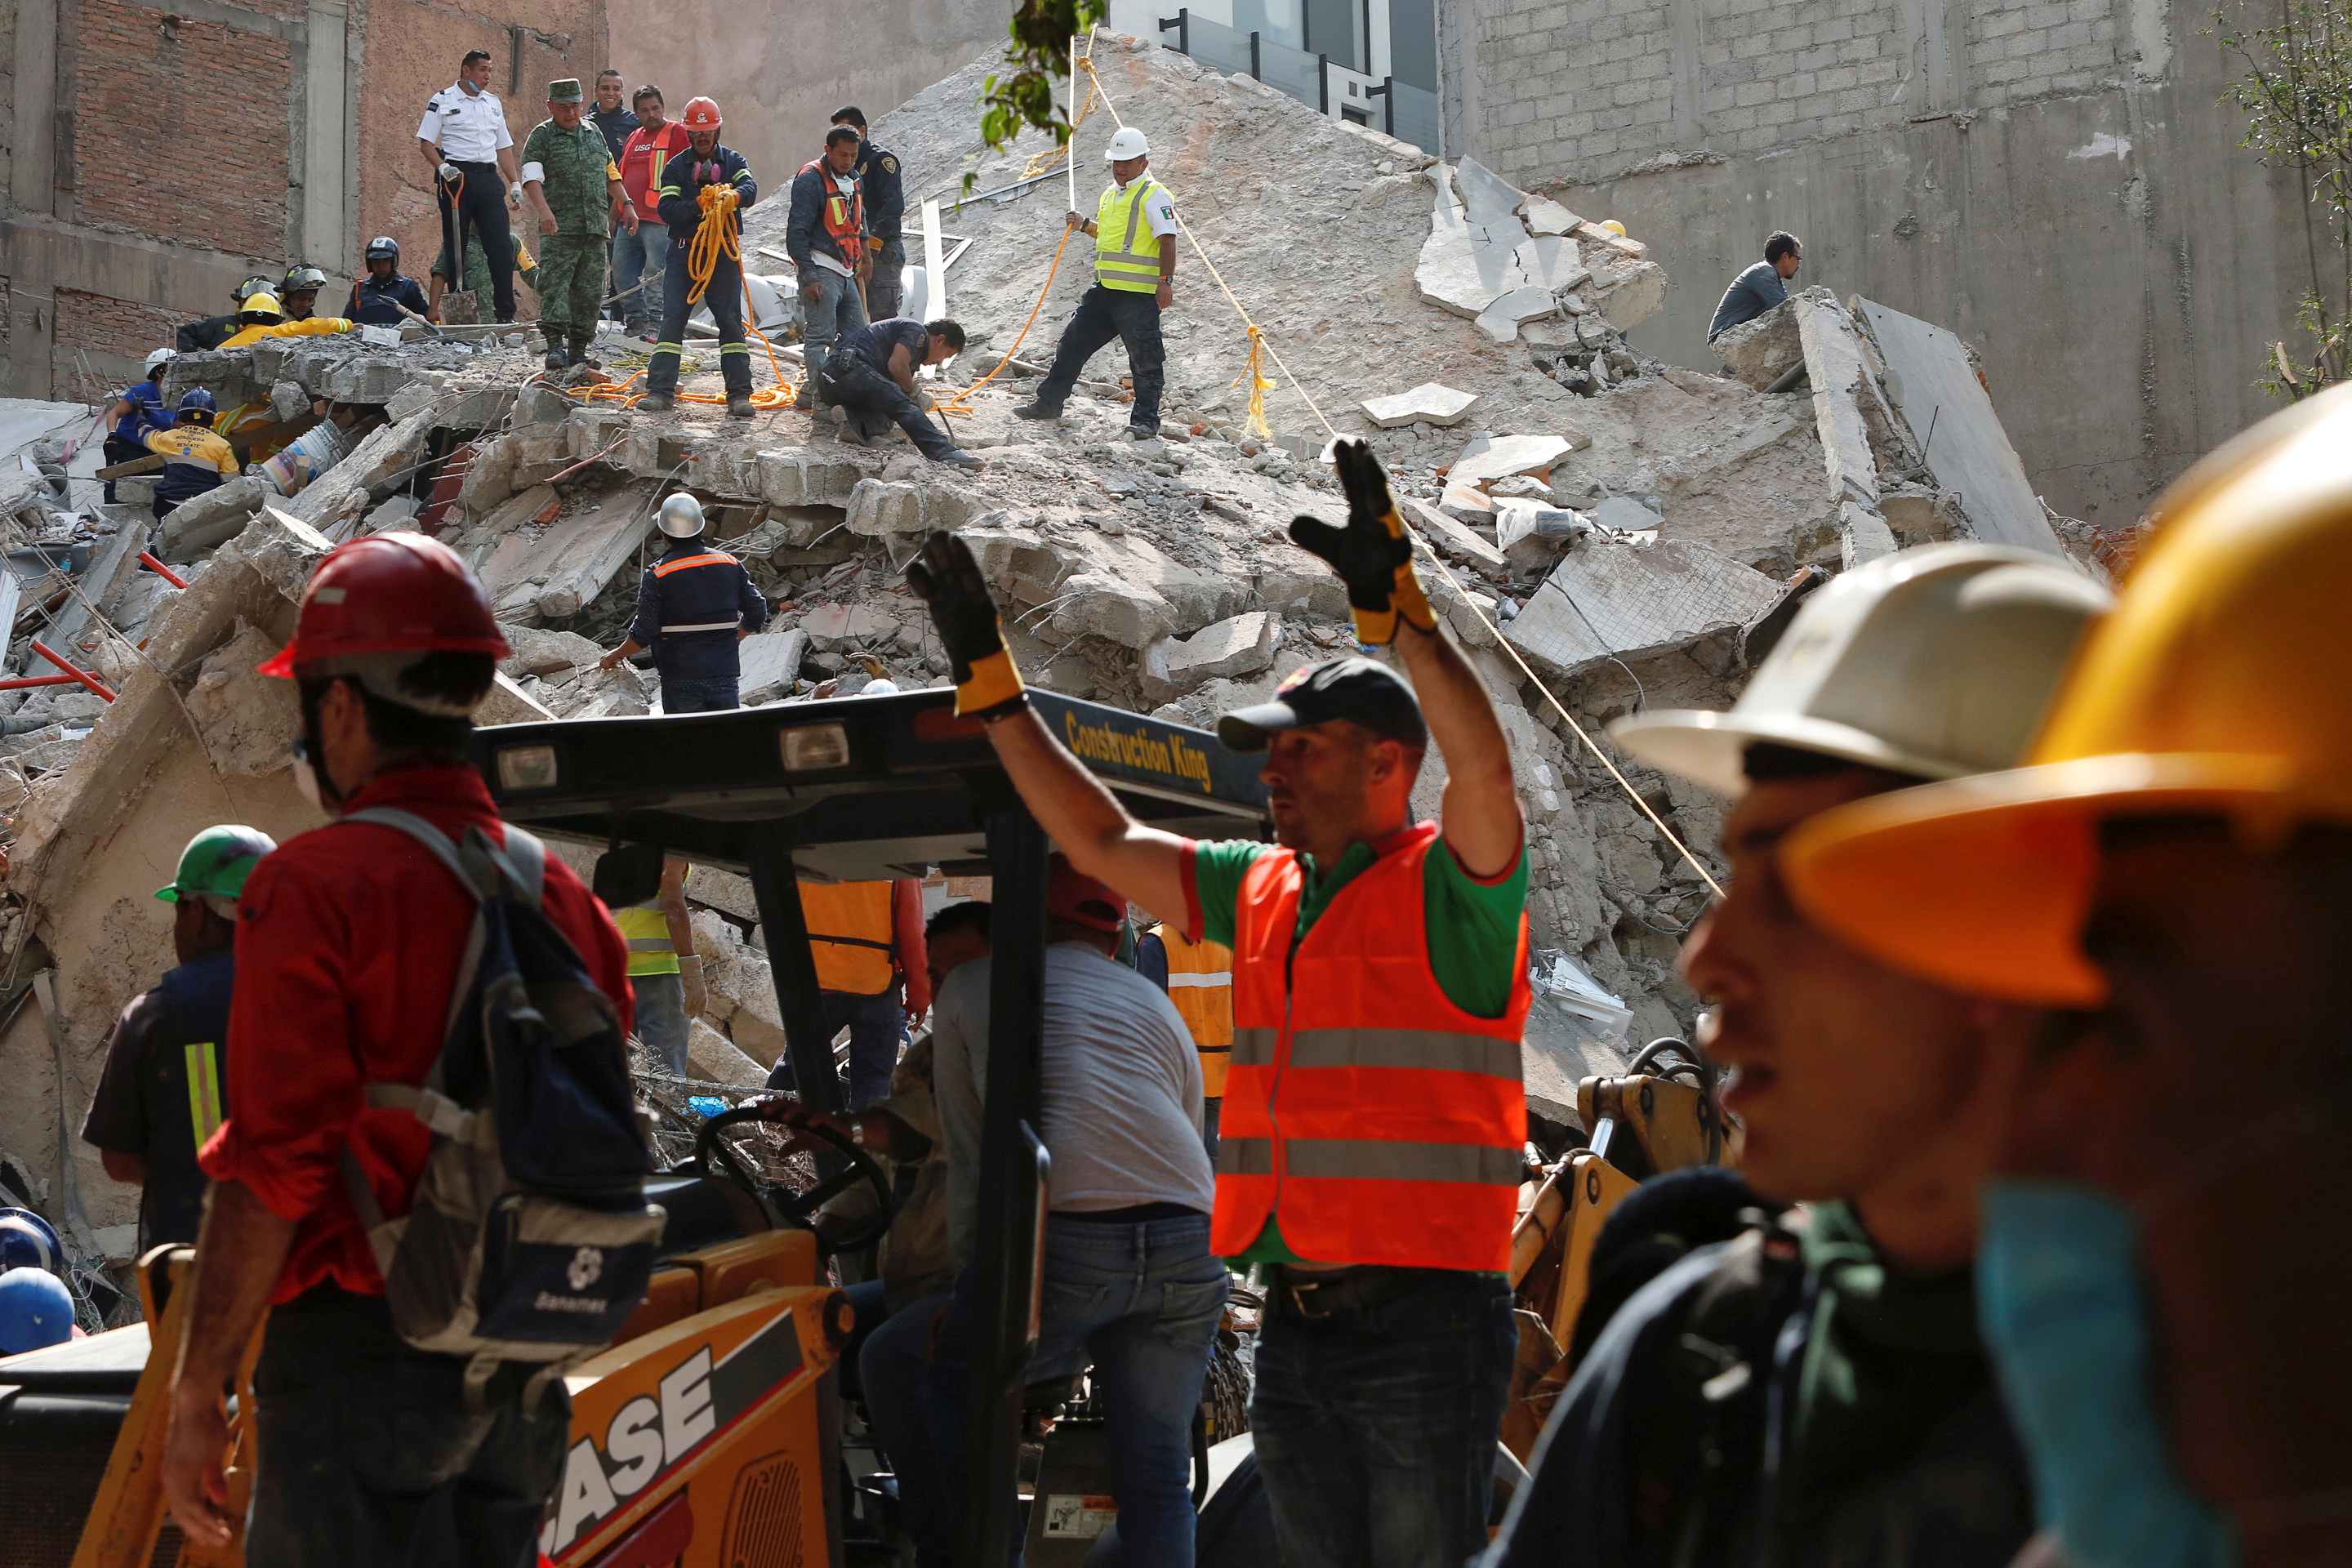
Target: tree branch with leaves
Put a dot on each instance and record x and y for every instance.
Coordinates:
(1022, 97)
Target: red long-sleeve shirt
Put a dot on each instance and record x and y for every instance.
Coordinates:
(349, 939)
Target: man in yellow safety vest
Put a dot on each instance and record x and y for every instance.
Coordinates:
(871, 973)
(665, 973)
(1199, 979)
(1134, 230)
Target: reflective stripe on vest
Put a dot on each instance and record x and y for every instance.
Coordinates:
(708, 558)
(1364, 1111)
(844, 217)
(703, 627)
(1119, 225)
(646, 930)
(1200, 984)
(204, 1088)
(850, 935)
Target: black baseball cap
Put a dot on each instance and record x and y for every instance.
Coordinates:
(1353, 687)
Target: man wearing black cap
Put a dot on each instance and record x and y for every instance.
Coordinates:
(1373, 1116)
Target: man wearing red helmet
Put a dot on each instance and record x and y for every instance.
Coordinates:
(349, 939)
(682, 206)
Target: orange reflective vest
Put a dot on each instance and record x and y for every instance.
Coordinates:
(851, 936)
(845, 216)
(1376, 1121)
(1200, 984)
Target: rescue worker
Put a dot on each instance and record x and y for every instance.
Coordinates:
(665, 974)
(196, 457)
(262, 317)
(637, 253)
(825, 238)
(706, 165)
(1380, 1201)
(2172, 867)
(1199, 979)
(139, 411)
(694, 604)
(385, 297)
(872, 975)
(880, 182)
(210, 331)
(159, 1094)
(1134, 230)
(570, 178)
(610, 116)
(477, 271)
(1874, 1098)
(350, 940)
(871, 376)
(464, 137)
(298, 293)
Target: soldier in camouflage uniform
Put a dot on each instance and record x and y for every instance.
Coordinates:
(569, 178)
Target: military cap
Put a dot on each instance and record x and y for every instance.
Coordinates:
(566, 92)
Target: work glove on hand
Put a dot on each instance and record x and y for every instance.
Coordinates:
(697, 991)
(446, 173)
(1372, 555)
(948, 580)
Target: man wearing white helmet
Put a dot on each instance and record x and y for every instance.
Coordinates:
(694, 606)
(1815, 1390)
(1134, 230)
(137, 411)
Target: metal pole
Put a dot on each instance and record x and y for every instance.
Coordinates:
(807, 1060)
(1255, 74)
(935, 266)
(1070, 148)
(1004, 1276)
(1323, 83)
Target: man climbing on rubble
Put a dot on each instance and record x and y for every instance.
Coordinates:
(262, 317)
(196, 457)
(1130, 1286)
(159, 1094)
(385, 297)
(825, 238)
(1759, 288)
(694, 606)
(1134, 230)
(2173, 867)
(569, 178)
(1874, 1098)
(1374, 1120)
(882, 183)
(350, 940)
(871, 376)
(706, 189)
(136, 413)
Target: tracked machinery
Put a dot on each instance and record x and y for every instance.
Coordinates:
(711, 1433)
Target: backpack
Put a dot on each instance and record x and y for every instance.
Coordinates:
(529, 1238)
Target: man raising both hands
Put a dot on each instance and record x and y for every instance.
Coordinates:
(1373, 1116)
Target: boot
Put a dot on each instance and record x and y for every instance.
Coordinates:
(555, 360)
(739, 405)
(1039, 410)
(657, 402)
(578, 352)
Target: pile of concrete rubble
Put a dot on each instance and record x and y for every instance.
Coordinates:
(1614, 532)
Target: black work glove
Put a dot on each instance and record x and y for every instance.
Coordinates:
(1372, 555)
(948, 580)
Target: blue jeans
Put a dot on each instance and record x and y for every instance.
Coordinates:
(661, 1017)
(836, 312)
(1141, 1303)
(1103, 314)
(713, 694)
(633, 255)
(1375, 1427)
(893, 1369)
(878, 1036)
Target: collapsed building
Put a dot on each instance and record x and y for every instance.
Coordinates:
(1605, 532)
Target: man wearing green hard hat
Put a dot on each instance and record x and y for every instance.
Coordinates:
(160, 1096)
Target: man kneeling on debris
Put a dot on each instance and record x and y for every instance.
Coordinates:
(1379, 986)
(350, 940)
(1759, 288)
(1873, 1097)
(196, 457)
(694, 606)
(871, 374)
(1130, 1285)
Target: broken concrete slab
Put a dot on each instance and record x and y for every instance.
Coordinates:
(1241, 645)
(1613, 600)
(1487, 199)
(1863, 535)
(246, 720)
(1452, 538)
(1498, 456)
(1501, 318)
(553, 572)
(1630, 299)
(213, 517)
(1431, 403)
(1466, 503)
(770, 663)
(1761, 351)
(847, 628)
(1935, 387)
(1460, 272)
(1623, 514)
(545, 654)
(1834, 363)
(1552, 262)
(1545, 216)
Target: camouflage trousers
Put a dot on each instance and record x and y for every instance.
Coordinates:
(570, 285)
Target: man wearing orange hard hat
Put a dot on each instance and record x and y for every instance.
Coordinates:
(2159, 1260)
(351, 938)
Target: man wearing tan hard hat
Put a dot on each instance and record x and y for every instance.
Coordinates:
(2163, 1275)
(1874, 1098)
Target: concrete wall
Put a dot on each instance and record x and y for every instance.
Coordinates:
(779, 72)
(2051, 179)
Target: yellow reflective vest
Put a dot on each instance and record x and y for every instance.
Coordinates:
(646, 930)
(1201, 984)
(850, 936)
(1127, 253)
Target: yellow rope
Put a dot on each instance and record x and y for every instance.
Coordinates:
(1254, 372)
(1257, 418)
(714, 236)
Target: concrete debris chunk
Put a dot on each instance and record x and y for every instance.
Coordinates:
(839, 629)
(1462, 273)
(770, 664)
(211, 519)
(714, 1058)
(1631, 298)
(1494, 457)
(1834, 363)
(1623, 514)
(1552, 262)
(546, 654)
(1764, 349)
(1466, 503)
(1452, 538)
(1431, 403)
(1613, 600)
(1243, 645)
(1501, 318)
(1546, 216)
(552, 571)
(1487, 199)
(246, 720)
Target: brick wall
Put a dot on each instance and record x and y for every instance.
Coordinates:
(1583, 90)
(96, 336)
(182, 132)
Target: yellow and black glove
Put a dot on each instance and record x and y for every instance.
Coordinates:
(948, 580)
(1372, 555)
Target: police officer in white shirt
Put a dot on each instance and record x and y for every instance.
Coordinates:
(465, 137)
